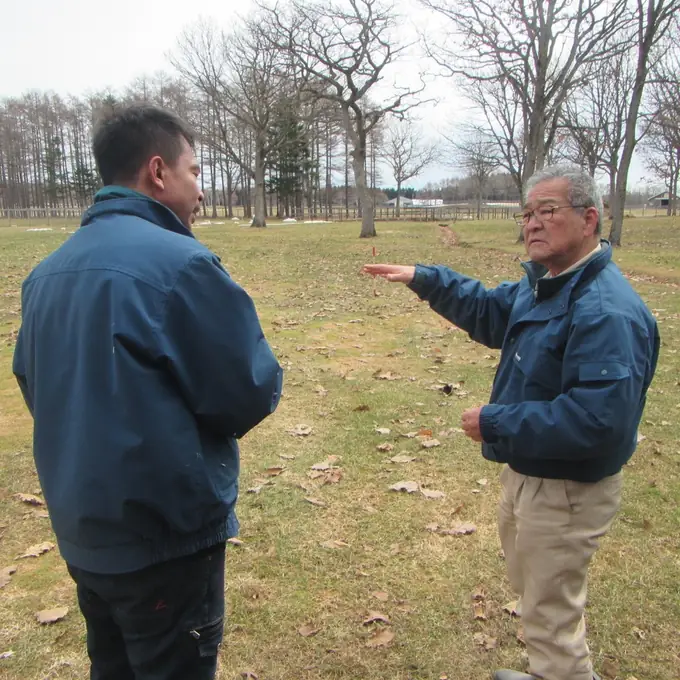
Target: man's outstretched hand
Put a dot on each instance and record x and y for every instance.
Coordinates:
(396, 273)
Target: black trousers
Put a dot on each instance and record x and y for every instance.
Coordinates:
(164, 622)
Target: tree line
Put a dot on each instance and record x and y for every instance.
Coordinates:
(299, 105)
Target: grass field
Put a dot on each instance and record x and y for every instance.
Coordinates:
(359, 356)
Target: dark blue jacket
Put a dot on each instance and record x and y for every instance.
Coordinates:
(142, 362)
(578, 354)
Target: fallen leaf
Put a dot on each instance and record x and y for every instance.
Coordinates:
(37, 550)
(321, 391)
(640, 437)
(325, 465)
(402, 459)
(249, 675)
(511, 608)
(488, 643)
(361, 408)
(460, 529)
(380, 595)
(383, 430)
(380, 638)
(639, 633)
(332, 476)
(254, 489)
(301, 430)
(274, 471)
(7, 655)
(434, 527)
(610, 668)
(430, 443)
(482, 482)
(333, 459)
(51, 615)
(386, 446)
(423, 432)
(478, 595)
(6, 575)
(235, 541)
(520, 636)
(334, 545)
(432, 494)
(41, 514)
(479, 610)
(285, 456)
(409, 435)
(375, 617)
(315, 501)
(29, 499)
(308, 630)
(388, 375)
(409, 487)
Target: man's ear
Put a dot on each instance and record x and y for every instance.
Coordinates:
(591, 216)
(156, 172)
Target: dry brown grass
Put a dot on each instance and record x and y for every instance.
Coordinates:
(333, 335)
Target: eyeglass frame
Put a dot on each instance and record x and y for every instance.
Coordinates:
(519, 217)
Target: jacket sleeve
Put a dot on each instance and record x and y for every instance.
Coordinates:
(215, 347)
(466, 303)
(19, 370)
(609, 360)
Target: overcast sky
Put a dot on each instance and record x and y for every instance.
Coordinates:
(76, 46)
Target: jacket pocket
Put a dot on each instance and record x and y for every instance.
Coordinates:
(542, 375)
(602, 371)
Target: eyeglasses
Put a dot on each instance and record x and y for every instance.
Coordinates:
(543, 214)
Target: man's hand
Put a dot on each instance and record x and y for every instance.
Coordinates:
(470, 423)
(396, 273)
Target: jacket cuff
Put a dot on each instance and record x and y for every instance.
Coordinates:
(424, 280)
(488, 422)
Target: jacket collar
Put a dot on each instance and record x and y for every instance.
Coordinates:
(117, 200)
(545, 288)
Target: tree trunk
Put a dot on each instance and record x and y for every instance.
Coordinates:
(365, 198)
(346, 175)
(260, 197)
(397, 213)
(612, 190)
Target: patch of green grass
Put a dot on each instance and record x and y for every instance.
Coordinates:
(334, 330)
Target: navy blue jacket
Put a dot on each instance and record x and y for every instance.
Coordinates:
(142, 362)
(578, 353)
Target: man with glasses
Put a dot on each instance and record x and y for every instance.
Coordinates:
(579, 350)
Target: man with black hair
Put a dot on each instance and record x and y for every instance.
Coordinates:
(142, 362)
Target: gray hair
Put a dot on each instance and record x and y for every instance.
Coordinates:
(583, 190)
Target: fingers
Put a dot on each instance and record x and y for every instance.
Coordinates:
(380, 269)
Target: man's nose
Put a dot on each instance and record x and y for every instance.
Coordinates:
(201, 197)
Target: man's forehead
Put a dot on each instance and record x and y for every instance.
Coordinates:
(548, 191)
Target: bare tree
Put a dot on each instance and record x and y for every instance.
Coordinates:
(406, 154)
(661, 146)
(241, 75)
(593, 119)
(521, 60)
(654, 19)
(473, 151)
(342, 51)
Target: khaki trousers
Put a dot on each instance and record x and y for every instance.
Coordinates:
(550, 529)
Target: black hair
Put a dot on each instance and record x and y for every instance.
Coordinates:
(124, 139)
